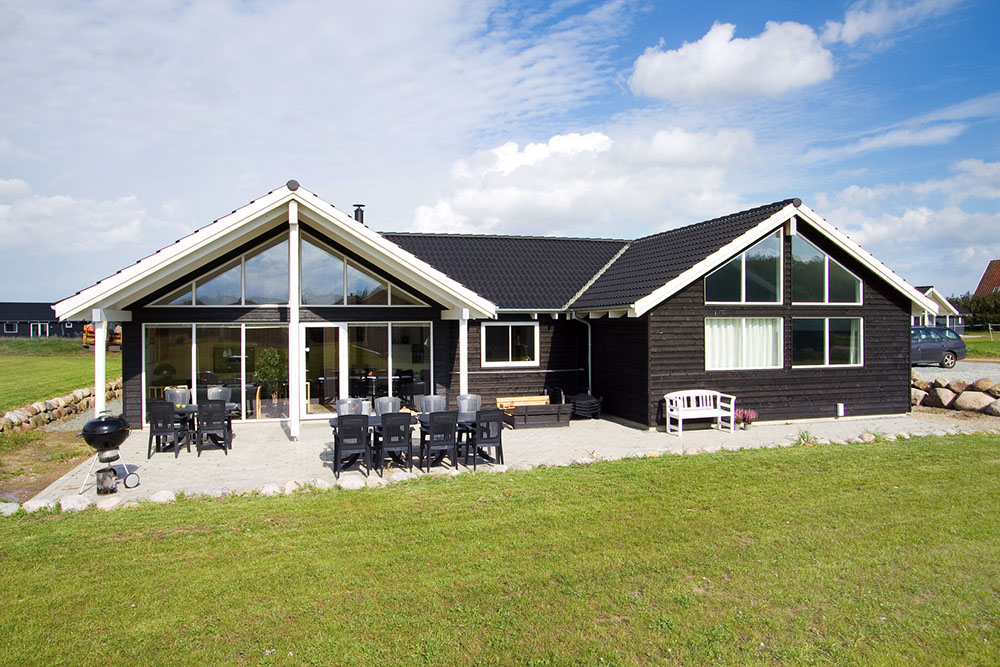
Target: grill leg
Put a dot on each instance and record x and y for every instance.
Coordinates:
(88, 474)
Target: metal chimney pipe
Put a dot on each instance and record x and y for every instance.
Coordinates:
(359, 213)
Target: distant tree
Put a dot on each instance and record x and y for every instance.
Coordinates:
(985, 309)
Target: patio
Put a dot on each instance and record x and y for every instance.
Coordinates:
(263, 459)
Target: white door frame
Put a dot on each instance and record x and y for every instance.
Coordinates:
(341, 361)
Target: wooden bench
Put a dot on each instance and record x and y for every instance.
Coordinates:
(534, 412)
(699, 404)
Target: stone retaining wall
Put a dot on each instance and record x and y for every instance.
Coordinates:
(983, 395)
(41, 413)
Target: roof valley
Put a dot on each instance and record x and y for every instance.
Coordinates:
(597, 275)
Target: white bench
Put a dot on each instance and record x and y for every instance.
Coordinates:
(699, 404)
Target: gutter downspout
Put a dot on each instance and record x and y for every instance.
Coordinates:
(590, 339)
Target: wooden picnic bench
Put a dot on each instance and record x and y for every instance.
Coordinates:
(534, 412)
(699, 404)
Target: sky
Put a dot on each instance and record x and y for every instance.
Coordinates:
(126, 125)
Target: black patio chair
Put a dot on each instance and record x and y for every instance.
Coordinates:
(213, 421)
(350, 438)
(487, 435)
(163, 424)
(395, 437)
(467, 403)
(439, 436)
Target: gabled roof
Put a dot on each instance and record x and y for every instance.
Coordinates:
(212, 241)
(654, 261)
(990, 281)
(514, 272)
(945, 307)
(25, 311)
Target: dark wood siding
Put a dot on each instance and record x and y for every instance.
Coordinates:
(620, 357)
(132, 373)
(677, 356)
(560, 362)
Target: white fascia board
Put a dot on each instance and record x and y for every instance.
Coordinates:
(845, 243)
(402, 264)
(117, 289)
(713, 261)
(944, 306)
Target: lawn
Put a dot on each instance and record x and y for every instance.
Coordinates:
(885, 553)
(983, 348)
(36, 369)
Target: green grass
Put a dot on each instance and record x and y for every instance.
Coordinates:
(33, 369)
(886, 553)
(983, 348)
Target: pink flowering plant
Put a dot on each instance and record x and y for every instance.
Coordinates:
(745, 416)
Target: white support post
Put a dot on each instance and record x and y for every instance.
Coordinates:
(294, 345)
(463, 354)
(100, 364)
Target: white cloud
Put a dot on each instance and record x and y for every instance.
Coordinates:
(719, 67)
(879, 18)
(895, 138)
(592, 185)
(973, 178)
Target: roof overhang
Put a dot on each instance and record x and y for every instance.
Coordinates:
(786, 216)
(944, 306)
(228, 233)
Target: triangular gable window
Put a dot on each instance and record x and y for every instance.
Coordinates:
(182, 297)
(267, 275)
(364, 289)
(817, 278)
(322, 281)
(220, 289)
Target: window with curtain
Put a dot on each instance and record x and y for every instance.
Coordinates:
(509, 344)
(830, 341)
(733, 343)
(753, 276)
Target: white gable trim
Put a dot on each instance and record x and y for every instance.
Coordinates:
(748, 238)
(944, 306)
(229, 232)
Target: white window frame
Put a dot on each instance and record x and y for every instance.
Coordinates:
(826, 281)
(780, 364)
(508, 364)
(743, 275)
(7, 327)
(826, 343)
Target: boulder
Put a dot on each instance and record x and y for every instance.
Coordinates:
(995, 391)
(217, 491)
(108, 503)
(270, 489)
(692, 451)
(972, 401)
(940, 383)
(993, 409)
(75, 503)
(6, 424)
(6, 509)
(35, 504)
(291, 486)
(867, 437)
(497, 469)
(923, 385)
(958, 386)
(351, 482)
(917, 396)
(982, 384)
(401, 476)
(322, 484)
(164, 496)
(939, 398)
(915, 375)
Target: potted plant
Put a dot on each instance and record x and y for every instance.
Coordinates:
(745, 417)
(271, 371)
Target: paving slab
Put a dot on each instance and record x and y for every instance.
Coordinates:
(263, 455)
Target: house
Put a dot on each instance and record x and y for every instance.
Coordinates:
(990, 282)
(34, 320)
(772, 304)
(947, 316)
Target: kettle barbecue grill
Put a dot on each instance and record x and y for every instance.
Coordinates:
(106, 434)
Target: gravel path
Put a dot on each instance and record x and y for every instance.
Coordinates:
(963, 370)
(76, 422)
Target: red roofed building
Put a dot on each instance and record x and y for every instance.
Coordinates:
(990, 282)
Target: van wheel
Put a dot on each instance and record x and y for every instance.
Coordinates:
(948, 360)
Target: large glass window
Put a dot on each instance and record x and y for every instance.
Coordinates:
(368, 360)
(322, 276)
(222, 288)
(365, 290)
(411, 362)
(742, 342)
(832, 341)
(514, 344)
(322, 379)
(217, 361)
(753, 276)
(168, 359)
(816, 278)
(267, 372)
(267, 275)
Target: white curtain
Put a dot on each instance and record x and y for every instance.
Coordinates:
(763, 338)
(723, 342)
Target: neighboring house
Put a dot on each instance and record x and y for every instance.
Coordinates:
(772, 304)
(34, 320)
(947, 315)
(990, 282)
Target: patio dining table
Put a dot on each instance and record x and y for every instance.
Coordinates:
(189, 410)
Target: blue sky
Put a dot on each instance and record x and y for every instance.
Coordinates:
(124, 126)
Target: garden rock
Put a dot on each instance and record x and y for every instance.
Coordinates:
(973, 401)
(270, 489)
(692, 451)
(164, 496)
(993, 409)
(291, 486)
(923, 385)
(217, 491)
(940, 383)
(322, 484)
(867, 437)
(982, 384)
(917, 396)
(497, 469)
(6, 509)
(75, 503)
(995, 391)
(351, 483)
(958, 386)
(35, 504)
(939, 398)
(109, 503)
(915, 375)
